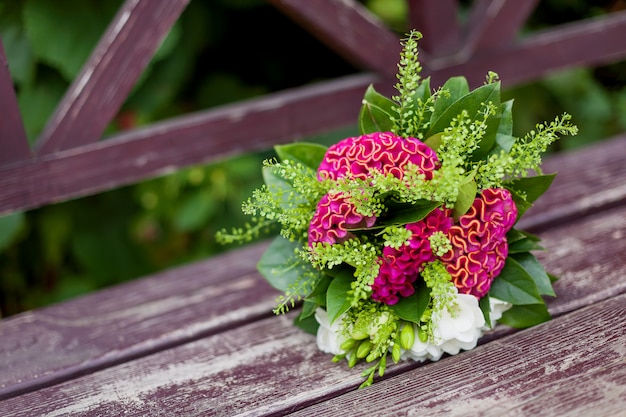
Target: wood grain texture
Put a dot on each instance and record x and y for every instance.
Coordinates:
(113, 325)
(349, 29)
(13, 142)
(572, 366)
(112, 70)
(207, 136)
(270, 367)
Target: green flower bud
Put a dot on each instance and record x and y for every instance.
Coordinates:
(373, 355)
(382, 365)
(352, 360)
(364, 349)
(348, 345)
(359, 334)
(423, 336)
(395, 353)
(407, 336)
(337, 358)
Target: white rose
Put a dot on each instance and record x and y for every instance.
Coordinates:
(454, 331)
(460, 329)
(329, 337)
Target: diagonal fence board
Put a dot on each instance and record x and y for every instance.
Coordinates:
(112, 70)
(494, 23)
(13, 141)
(240, 368)
(169, 308)
(241, 365)
(350, 29)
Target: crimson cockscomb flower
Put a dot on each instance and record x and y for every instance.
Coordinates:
(381, 151)
(479, 242)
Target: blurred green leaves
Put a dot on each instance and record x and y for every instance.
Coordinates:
(9, 227)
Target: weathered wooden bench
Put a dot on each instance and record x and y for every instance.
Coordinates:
(201, 339)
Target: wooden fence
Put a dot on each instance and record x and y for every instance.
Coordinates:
(70, 160)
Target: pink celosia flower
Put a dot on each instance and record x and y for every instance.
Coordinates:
(479, 242)
(381, 151)
(333, 219)
(400, 267)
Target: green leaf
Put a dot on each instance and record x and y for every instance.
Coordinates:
(63, 33)
(457, 87)
(532, 187)
(402, 213)
(514, 235)
(308, 324)
(10, 226)
(308, 309)
(17, 49)
(465, 198)
(338, 300)
(524, 245)
(38, 101)
(376, 112)
(281, 266)
(434, 141)
(506, 119)
(318, 295)
(485, 307)
(520, 202)
(412, 308)
(473, 104)
(536, 271)
(308, 154)
(194, 211)
(520, 241)
(523, 316)
(279, 185)
(504, 135)
(515, 285)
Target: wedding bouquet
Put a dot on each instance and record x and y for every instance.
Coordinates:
(401, 242)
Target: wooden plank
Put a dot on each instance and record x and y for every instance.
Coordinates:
(587, 42)
(438, 21)
(112, 70)
(571, 366)
(113, 325)
(207, 136)
(75, 349)
(269, 367)
(349, 29)
(13, 142)
(495, 22)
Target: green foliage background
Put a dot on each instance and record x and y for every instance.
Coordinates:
(218, 52)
